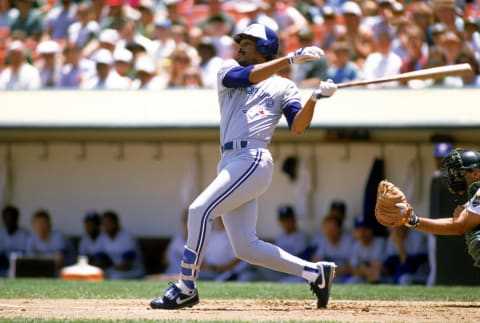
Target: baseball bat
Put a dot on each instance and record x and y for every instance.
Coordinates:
(427, 73)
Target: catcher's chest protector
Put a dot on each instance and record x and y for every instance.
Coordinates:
(472, 237)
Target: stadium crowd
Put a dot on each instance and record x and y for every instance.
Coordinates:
(157, 44)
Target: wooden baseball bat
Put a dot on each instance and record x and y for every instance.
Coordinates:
(427, 73)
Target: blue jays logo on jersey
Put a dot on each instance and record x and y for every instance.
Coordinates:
(254, 112)
(476, 199)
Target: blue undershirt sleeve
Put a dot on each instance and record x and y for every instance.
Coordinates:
(290, 111)
(237, 77)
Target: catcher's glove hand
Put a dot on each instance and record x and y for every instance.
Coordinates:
(392, 208)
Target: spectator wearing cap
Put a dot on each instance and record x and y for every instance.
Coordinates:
(471, 35)
(386, 21)
(338, 208)
(210, 63)
(123, 59)
(163, 44)
(91, 242)
(252, 12)
(173, 12)
(291, 239)
(146, 74)
(130, 35)
(310, 73)
(217, 29)
(105, 77)
(84, 28)
(121, 257)
(331, 30)
(29, 23)
(19, 75)
(147, 15)
(383, 62)
(13, 238)
(342, 69)
(59, 19)
(107, 39)
(333, 243)
(217, 12)
(48, 63)
(446, 12)
(367, 253)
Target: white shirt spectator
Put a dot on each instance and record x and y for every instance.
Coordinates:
(26, 77)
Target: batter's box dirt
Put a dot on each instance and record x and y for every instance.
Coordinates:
(244, 310)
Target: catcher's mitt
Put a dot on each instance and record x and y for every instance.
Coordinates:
(392, 208)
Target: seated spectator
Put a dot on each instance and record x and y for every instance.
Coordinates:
(59, 19)
(217, 29)
(13, 238)
(406, 260)
(309, 74)
(84, 29)
(367, 253)
(19, 75)
(146, 73)
(471, 35)
(220, 263)
(333, 244)
(176, 247)
(48, 63)
(383, 62)
(90, 244)
(467, 56)
(105, 77)
(120, 257)
(332, 31)
(48, 242)
(28, 24)
(210, 63)
(451, 44)
(180, 62)
(163, 44)
(123, 59)
(343, 69)
(75, 69)
(7, 16)
(416, 58)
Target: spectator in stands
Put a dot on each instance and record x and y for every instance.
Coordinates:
(75, 69)
(386, 18)
(331, 30)
(59, 19)
(252, 12)
(48, 242)
(105, 77)
(210, 63)
(220, 263)
(115, 18)
(180, 62)
(416, 59)
(7, 16)
(367, 254)
(91, 242)
(310, 73)
(147, 15)
(19, 75)
(467, 56)
(176, 247)
(129, 34)
(406, 260)
(29, 22)
(421, 15)
(445, 11)
(383, 62)
(163, 43)
(13, 238)
(123, 59)
(471, 35)
(217, 29)
(48, 64)
(215, 9)
(451, 44)
(84, 28)
(173, 12)
(192, 78)
(290, 21)
(334, 244)
(343, 69)
(146, 73)
(182, 43)
(121, 257)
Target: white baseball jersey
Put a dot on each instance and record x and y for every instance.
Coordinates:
(366, 254)
(253, 112)
(339, 253)
(17, 242)
(56, 243)
(89, 247)
(473, 205)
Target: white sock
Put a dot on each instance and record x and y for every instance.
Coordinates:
(184, 288)
(310, 274)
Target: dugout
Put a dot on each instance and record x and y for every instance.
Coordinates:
(146, 154)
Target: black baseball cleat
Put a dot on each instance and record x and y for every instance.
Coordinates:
(322, 285)
(174, 299)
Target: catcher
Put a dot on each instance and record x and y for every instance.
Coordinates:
(463, 177)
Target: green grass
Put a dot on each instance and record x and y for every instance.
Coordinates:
(52, 288)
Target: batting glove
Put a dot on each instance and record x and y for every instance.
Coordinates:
(325, 90)
(305, 54)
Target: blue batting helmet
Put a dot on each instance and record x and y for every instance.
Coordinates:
(267, 39)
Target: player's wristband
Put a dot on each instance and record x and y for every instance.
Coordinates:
(413, 221)
(316, 95)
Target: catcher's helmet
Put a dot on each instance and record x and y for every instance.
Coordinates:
(266, 38)
(456, 163)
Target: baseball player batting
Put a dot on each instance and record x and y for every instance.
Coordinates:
(252, 101)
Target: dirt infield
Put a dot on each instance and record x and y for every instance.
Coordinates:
(245, 310)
